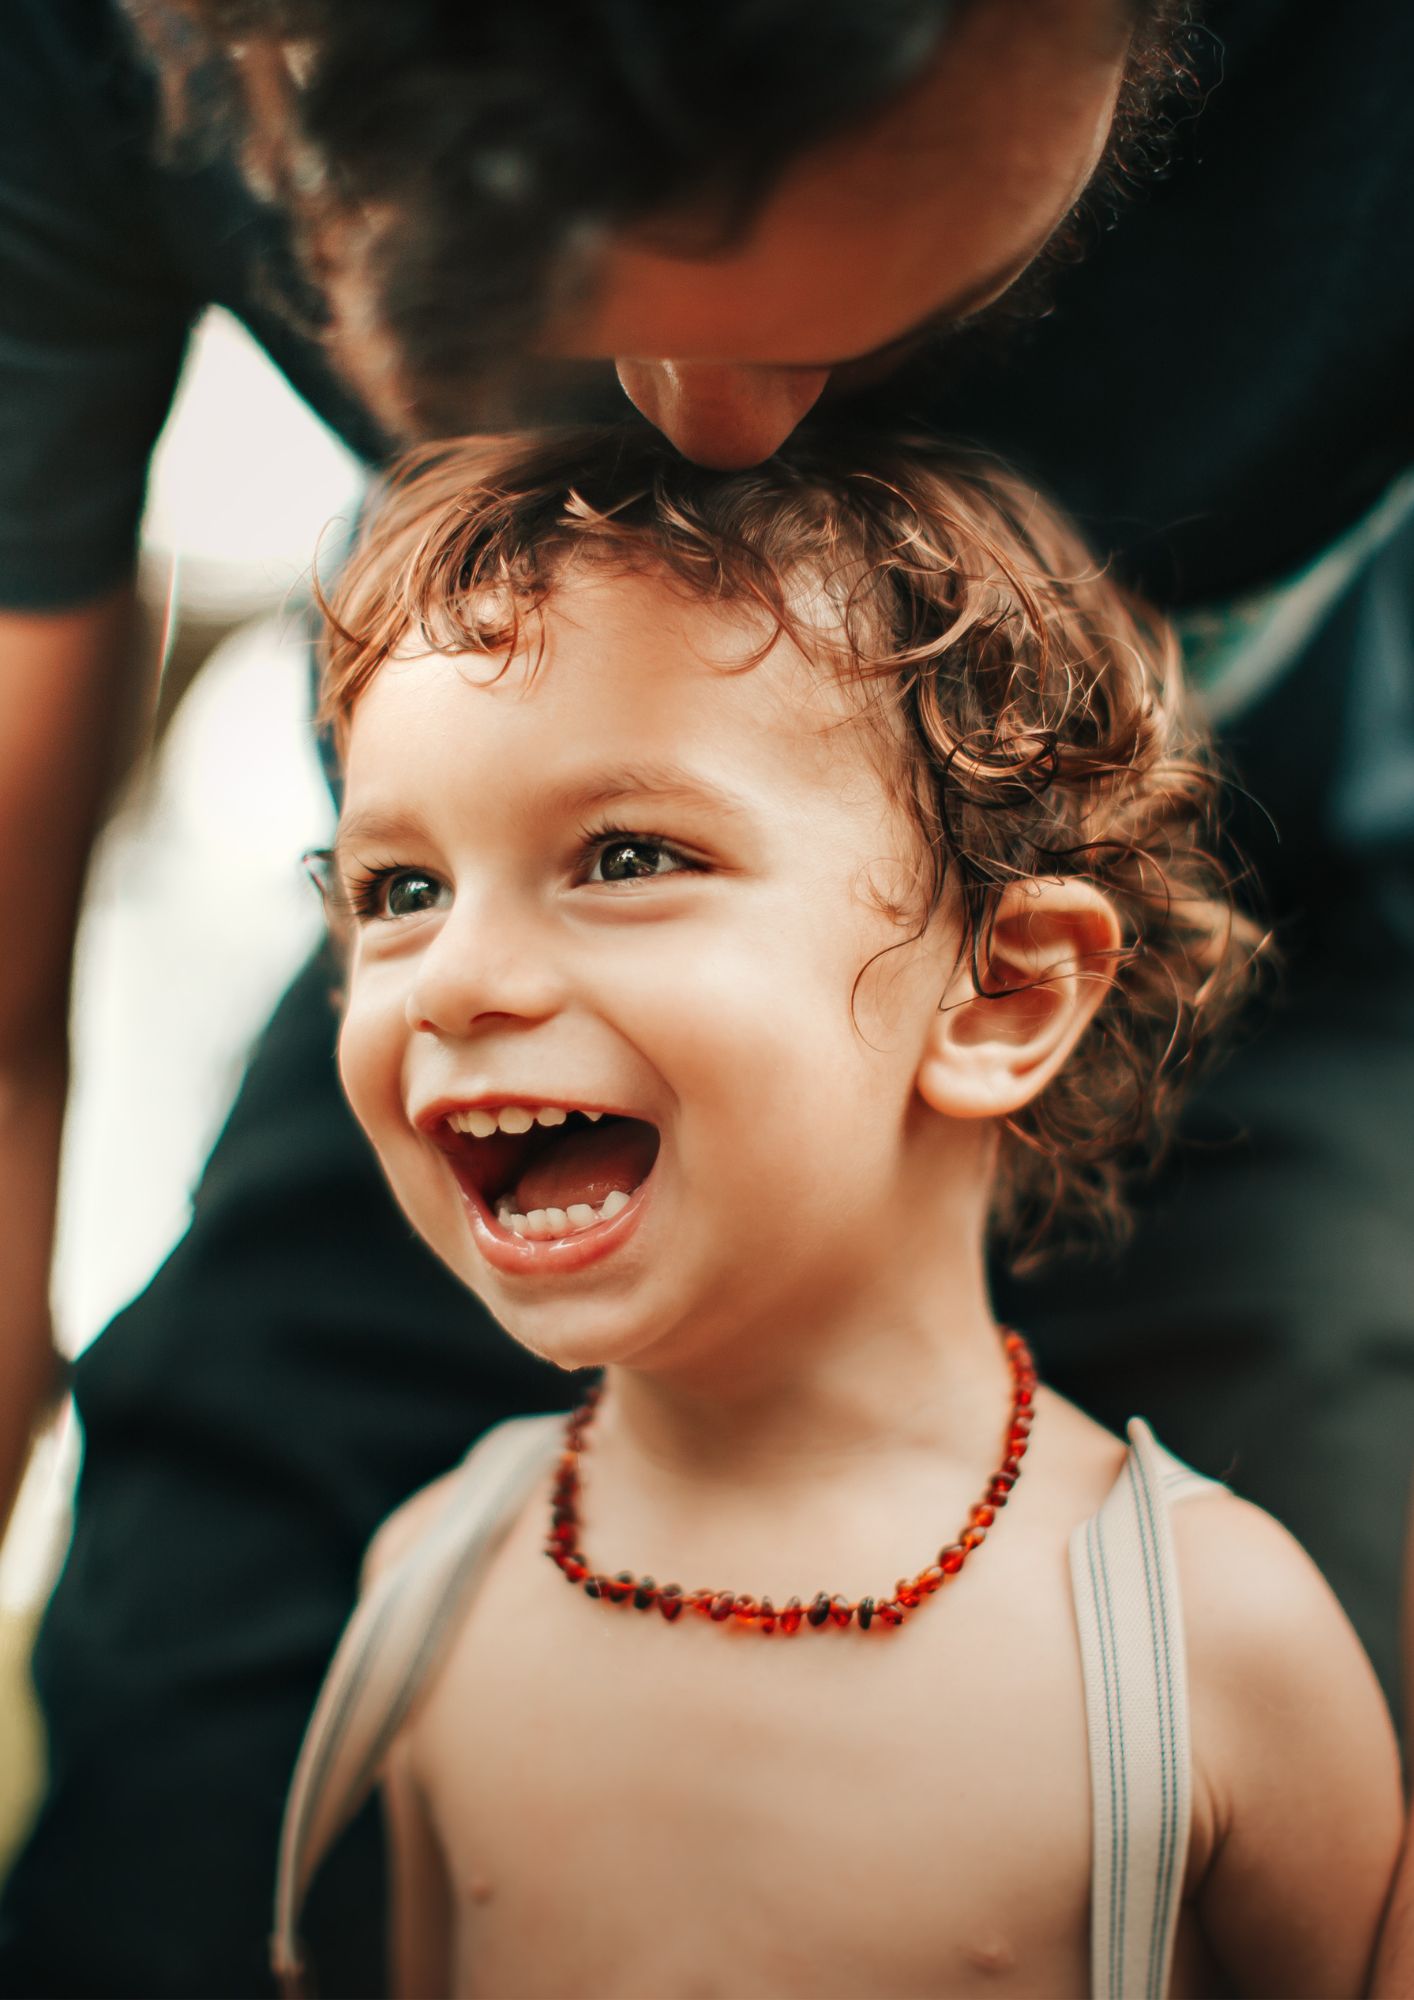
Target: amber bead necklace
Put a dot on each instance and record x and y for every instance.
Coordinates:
(719, 1606)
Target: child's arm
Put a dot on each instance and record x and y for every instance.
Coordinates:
(420, 1926)
(420, 1916)
(1394, 1967)
(1297, 1774)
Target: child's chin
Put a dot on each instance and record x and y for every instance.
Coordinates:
(575, 1341)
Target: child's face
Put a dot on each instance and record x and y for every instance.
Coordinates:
(636, 883)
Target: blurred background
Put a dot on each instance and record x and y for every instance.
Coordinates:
(197, 911)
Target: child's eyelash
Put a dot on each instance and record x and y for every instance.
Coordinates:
(596, 840)
(361, 887)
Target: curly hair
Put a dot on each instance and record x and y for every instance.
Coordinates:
(450, 168)
(1042, 711)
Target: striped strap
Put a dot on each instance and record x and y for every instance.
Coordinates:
(1127, 1605)
(390, 1647)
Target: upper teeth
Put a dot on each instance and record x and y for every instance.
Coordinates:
(482, 1122)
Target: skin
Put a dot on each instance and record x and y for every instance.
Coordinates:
(804, 1378)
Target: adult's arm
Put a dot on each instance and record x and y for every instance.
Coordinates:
(65, 711)
(93, 321)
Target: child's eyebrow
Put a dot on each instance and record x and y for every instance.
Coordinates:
(658, 783)
(654, 784)
(378, 824)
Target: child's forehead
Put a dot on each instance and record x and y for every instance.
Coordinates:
(638, 649)
(625, 688)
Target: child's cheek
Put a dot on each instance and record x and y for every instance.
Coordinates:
(370, 1056)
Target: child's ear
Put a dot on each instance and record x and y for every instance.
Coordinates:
(1048, 964)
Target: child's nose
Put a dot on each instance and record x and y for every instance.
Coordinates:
(483, 969)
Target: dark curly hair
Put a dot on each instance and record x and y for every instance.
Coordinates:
(457, 162)
(1042, 708)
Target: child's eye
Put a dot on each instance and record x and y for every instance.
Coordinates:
(624, 857)
(399, 892)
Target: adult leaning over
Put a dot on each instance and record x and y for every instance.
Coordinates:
(809, 207)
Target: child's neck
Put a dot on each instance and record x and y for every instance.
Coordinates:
(913, 1363)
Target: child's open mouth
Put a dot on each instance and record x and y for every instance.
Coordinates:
(542, 1173)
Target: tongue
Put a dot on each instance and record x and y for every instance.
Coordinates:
(587, 1164)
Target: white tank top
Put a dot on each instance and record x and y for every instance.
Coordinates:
(1128, 1612)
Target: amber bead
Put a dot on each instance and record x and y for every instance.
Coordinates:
(722, 1606)
(1003, 1481)
(792, 1615)
(841, 1610)
(982, 1514)
(1024, 1399)
(670, 1601)
(930, 1580)
(1011, 1466)
(620, 1587)
(951, 1559)
(819, 1608)
(565, 1534)
(744, 1609)
(865, 1613)
(702, 1601)
(906, 1594)
(889, 1613)
(575, 1568)
(972, 1538)
(596, 1586)
(645, 1594)
(767, 1615)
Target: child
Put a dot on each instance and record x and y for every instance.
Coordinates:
(757, 888)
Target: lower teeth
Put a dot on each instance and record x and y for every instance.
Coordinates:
(542, 1223)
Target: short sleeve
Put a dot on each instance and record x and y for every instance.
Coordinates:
(93, 323)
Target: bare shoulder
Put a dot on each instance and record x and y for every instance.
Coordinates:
(1296, 1772)
(1262, 1623)
(1079, 1459)
(1272, 1657)
(406, 1526)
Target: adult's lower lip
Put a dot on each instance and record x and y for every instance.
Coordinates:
(553, 1256)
